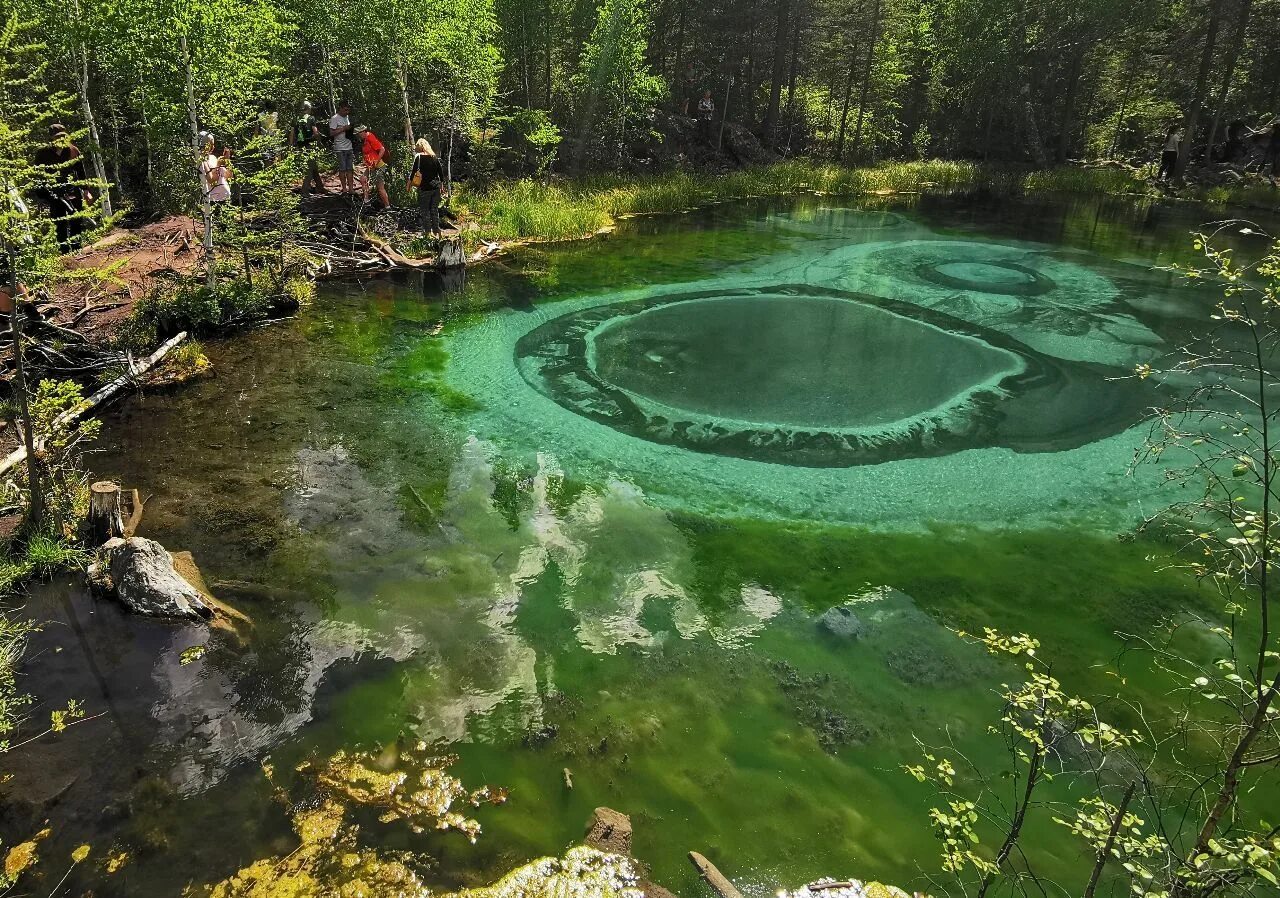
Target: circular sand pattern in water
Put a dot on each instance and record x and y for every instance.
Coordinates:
(1008, 278)
(808, 376)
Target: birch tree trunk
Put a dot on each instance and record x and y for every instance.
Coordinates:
(95, 141)
(34, 483)
(403, 77)
(206, 207)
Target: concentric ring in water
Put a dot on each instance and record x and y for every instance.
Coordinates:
(987, 276)
(808, 376)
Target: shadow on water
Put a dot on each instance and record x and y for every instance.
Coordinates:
(428, 546)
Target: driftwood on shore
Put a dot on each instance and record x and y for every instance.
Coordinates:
(345, 238)
(19, 455)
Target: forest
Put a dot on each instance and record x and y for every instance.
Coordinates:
(839, 435)
(513, 87)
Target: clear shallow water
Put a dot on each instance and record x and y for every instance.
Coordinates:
(435, 540)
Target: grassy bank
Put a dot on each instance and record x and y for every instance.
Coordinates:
(527, 210)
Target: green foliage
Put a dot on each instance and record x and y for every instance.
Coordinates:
(614, 85)
(199, 310)
(13, 640)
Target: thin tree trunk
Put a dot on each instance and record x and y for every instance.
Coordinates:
(866, 77)
(95, 142)
(1229, 71)
(781, 35)
(1019, 818)
(793, 74)
(328, 77)
(1067, 122)
(115, 142)
(1104, 852)
(453, 121)
(403, 77)
(547, 38)
(1192, 121)
(206, 207)
(844, 107)
(1124, 107)
(524, 55)
(34, 484)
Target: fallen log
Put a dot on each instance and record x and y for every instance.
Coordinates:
(713, 877)
(19, 455)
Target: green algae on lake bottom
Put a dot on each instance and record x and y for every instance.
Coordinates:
(431, 546)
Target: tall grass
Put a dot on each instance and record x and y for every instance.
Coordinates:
(530, 211)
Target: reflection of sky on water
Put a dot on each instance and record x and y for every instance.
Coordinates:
(449, 609)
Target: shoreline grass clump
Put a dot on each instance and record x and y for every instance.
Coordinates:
(528, 210)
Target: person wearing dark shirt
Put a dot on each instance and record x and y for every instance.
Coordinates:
(427, 177)
(305, 136)
(62, 168)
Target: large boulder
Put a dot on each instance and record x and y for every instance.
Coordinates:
(140, 573)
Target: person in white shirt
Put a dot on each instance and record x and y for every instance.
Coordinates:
(1169, 158)
(343, 149)
(215, 172)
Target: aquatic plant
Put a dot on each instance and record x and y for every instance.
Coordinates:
(410, 786)
(418, 790)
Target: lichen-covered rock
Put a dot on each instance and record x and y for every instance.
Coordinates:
(609, 830)
(141, 575)
(842, 622)
(848, 888)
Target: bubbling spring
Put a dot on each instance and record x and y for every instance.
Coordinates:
(867, 342)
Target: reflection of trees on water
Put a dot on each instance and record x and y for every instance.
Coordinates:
(528, 567)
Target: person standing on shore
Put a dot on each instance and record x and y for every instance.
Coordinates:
(62, 167)
(375, 164)
(706, 114)
(304, 137)
(343, 149)
(215, 172)
(1169, 157)
(427, 177)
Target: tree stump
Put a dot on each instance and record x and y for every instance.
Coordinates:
(106, 520)
(451, 254)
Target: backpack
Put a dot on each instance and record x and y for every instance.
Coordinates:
(302, 133)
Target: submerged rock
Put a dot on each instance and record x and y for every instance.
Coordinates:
(140, 574)
(840, 621)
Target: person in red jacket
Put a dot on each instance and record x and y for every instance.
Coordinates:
(375, 164)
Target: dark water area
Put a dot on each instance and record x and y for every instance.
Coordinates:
(586, 508)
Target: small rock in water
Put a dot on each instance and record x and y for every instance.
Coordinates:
(842, 622)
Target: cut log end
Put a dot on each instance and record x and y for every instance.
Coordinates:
(106, 518)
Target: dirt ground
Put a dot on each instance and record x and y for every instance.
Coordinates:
(127, 262)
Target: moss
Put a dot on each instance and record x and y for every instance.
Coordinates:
(411, 786)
